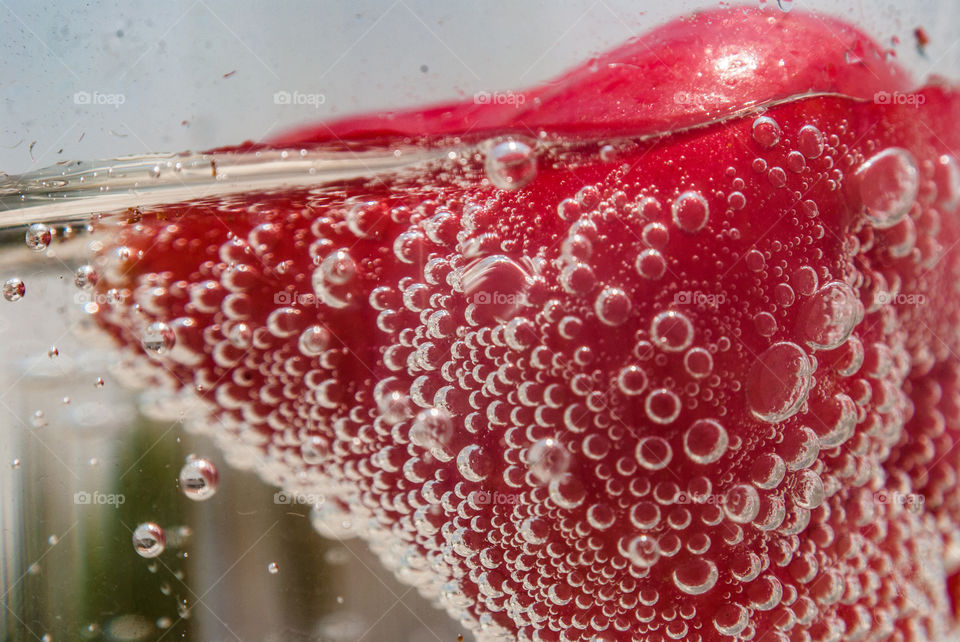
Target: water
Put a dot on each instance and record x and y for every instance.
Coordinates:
(432, 352)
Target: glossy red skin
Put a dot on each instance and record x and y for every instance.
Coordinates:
(892, 552)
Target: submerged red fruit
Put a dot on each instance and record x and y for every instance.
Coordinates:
(595, 385)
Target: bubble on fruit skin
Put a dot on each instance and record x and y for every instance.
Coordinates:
(612, 306)
(696, 576)
(149, 540)
(566, 491)
(651, 265)
(14, 289)
(805, 281)
(38, 237)
(199, 479)
(765, 131)
(799, 447)
(778, 382)
(705, 441)
(511, 164)
(731, 619)
(671, 331)
(767, 471)
(653, 453)
(741, 503)
(662, 406)
(548, 459)
(836, 420)
(888, 183)
(807, 489)
(158, 339)
(690, 212)
(432, 429)
(632, 380)
(314, 340)
(829, 316)
(473, 463)
(643, 551)
(810, 142)
(698, 362)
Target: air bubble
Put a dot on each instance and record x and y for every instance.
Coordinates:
(314, 340)
(511, 164)
(766, 131)
(149, 540)
(38, 237)
(741, 503)
(612, 306)
(158, 338)
(705, 441)
(14, 289)
(662, 406)
(810, 141)
(548, 459)
(651, 265)
(671, 331)
(632, 380)
(779, 381)
(695, 577)
(433, 429)
(698, 362)
(888, 183)
(654, 453)
(199, 479)
(690, 212)
(829, 316)
(85, 277)
(643, 551)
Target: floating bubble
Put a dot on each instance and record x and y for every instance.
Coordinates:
(548, 459)
(149, 540)
(14, 289)
(654, 453)
(671, 331)
(705, 441)
(38, 237)
(158, 338)
(199, 479)
(662, 406)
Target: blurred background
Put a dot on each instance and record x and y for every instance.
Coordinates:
(112, 79)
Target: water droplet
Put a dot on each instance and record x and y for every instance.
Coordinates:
(149, 540)
(690, 212)
(199, 479)
(511, 164)
(14, 289)
(158, 338)
(778, 382)
(829, 316)
(38, 237)
(705, 441)
(766, 131)
(888, 183)
(273, 568)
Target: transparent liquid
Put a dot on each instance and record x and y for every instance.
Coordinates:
(85, 463)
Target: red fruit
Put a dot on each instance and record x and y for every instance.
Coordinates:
(693, 386)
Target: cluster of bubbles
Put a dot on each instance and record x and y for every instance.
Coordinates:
(538, 438)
